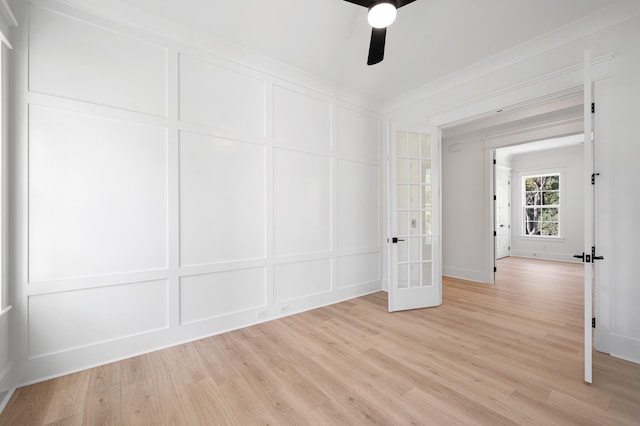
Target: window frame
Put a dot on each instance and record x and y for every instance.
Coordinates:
(524, 207)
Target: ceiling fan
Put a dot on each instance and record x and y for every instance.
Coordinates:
(382, 13)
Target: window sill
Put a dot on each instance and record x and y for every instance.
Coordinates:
(5, 311)
(541, 238)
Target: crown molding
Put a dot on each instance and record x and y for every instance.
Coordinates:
(7, 20)
(6, 14)
(587, 26)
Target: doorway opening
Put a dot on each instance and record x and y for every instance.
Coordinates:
(539, 203)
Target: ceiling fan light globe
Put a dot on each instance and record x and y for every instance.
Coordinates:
(382, 15)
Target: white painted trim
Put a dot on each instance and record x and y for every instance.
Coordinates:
(4, 401)
(548, 86)
(621, 346)
(589, 25)
(7, 14)
(5, 311)
(543, 255)
(131, 19)
(466, 274)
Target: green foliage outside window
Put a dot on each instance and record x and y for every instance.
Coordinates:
(542, 203)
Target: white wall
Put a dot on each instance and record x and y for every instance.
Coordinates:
(165, 193)
(568, 162)
(464, 217)
(546, 66)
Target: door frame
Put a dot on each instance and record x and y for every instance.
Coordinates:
(547, 87)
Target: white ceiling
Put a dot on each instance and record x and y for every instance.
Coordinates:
(330, 38)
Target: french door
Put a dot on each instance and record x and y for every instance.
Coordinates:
(415, 278)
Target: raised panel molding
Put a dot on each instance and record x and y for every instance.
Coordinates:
(302, 203)
(109, 68)
(209, 296)
(358, 269)
(301, 122)
(358, 205)
(227, 100)
(222, 200)
(74, 319)
(97, 196)
(358, 136)
(301, 279)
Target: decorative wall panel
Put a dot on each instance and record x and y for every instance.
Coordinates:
(301, 122)
(358, 205)
(222, 200)
(82, 61)
(97, 195)
(300, 279)
(358, 136)
(213, 295)
(225, 99)
(302, 203)
(72, 319)
(358, 269)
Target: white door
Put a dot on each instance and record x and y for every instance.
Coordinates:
(589, 223)
(503, 212)
(415, 279)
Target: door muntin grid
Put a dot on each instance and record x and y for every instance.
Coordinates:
(414, 209)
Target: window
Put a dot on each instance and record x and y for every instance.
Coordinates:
(541, 205)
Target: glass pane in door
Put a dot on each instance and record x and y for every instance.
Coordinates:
(414, 204)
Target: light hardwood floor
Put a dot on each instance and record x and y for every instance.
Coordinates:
(504, 354)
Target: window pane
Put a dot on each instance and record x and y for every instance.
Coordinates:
(552, 182)
(403, 223)
(414, 197)
(551, 197)
(403, 252)
(401, 144)
(427, 248)
(403, 276)
(414, 275)
(549, 228)
(427, 197)
(414, 249)
(426, 172)
(425, 140)
(414, 145)
(401, 170)
(427, 274)
(403, 197)
(414, 171)
(427, 223)
(414, 222)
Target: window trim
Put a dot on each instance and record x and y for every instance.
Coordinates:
(523, 203)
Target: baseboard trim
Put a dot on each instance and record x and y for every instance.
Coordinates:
(5, 399)
(466, 274)
(624, 347)
(558, 257)
(7, 387)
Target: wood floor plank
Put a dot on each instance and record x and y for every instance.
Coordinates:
(509, 353)
(28, 405)
(69, 397)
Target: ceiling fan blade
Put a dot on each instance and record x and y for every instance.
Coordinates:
(376, 47)
(364, 3)
(401, 3)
